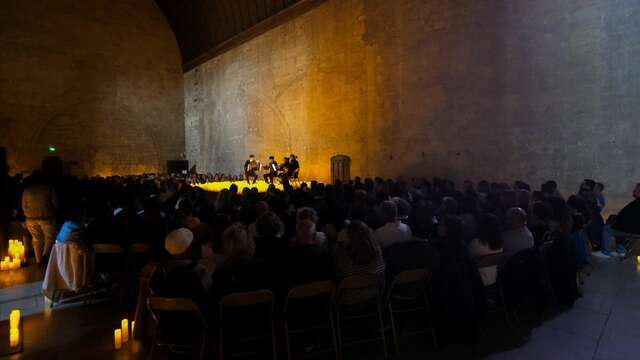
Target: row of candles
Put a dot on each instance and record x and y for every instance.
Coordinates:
(121, 335)
(17, 254)
(14, 328)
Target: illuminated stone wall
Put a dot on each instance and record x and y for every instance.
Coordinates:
(461, 88)
(101, 80)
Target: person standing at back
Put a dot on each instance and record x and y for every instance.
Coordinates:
(40, 205)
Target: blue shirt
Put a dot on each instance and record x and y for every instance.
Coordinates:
(70, 231)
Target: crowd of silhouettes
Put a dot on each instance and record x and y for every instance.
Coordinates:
(211, 244)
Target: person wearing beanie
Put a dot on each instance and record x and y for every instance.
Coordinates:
(181, 275)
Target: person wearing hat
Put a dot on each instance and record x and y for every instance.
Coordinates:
(182, 276)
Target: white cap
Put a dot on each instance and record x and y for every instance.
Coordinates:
(178, 241)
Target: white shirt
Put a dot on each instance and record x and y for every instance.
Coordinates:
(393, 233)
(488, 274)
(515, 240)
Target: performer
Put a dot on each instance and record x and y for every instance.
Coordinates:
(272, 168)
(250, 168)
(294, 167)
(284, 170)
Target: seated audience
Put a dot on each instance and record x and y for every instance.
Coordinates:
(241, 271)
(394, 231)
(181, 275)
(518, 237)
(357, 252)
(628, 219)
(488, 242)
(305, 260)
(457, 285)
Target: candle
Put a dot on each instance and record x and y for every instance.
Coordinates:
(125, 330)
(14, 337)
(133, 326)
(638, 259)
(16, 263)
(3, 265)
(14, 319)
(117, 339)
(7, 258)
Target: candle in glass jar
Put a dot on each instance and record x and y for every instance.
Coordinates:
(14, 319)
(14, 337)
(125, 330)
(117, 339)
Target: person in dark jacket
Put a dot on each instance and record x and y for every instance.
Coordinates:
(628, 219)
(458, 288)
(181, 275)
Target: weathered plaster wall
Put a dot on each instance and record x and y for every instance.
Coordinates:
(101, 80)
(462, 88)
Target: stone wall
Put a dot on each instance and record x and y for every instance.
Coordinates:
(493, 89)
(100, 80)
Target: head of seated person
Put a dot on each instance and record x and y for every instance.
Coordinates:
(404, 208)
(306, 234)
(306, 213)
(490, 232)
(236, 244)
(389, 211)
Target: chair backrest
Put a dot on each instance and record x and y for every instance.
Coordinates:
(246, 298)
(490, 260)
(158, 304)
(312, 289)
(409, 284)
(107, 249)
(359, 288)
(246, 315)
(139, 248)
(172, 304)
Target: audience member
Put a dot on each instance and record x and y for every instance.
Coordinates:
(518, 237)
(394, 231)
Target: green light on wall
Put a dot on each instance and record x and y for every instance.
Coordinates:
(51, 149)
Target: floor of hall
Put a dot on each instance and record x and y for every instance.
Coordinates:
(604, 324)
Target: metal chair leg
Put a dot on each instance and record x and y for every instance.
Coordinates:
(384, 338)
(393, 329)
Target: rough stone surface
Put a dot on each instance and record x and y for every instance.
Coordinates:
(101, 80)
(462, 88)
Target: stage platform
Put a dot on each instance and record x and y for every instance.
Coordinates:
(218, 186)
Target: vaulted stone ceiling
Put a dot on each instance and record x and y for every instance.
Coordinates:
(206, 28)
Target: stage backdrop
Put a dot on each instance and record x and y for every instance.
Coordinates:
(491, 89)
(99, 80)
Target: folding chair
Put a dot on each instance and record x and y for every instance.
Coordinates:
(308, 310)
(359, 298)
(139, 256)
(141, 315)
(246, 318)
(408, 295)
(494, 292)
(177, 320)
(113, 252)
